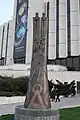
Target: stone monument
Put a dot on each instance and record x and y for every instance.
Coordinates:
(37, 104)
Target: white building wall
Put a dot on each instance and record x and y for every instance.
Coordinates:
(1, 36)
(5, 39)
(10, 45)
(34, 6)
(19, 70)
(52, 30)
(74, 27)
(62, 28)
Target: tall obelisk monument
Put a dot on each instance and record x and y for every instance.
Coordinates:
(38, 92)
(37, 103)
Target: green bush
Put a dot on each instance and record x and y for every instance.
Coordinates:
(7, 117)
(13, 86)
(9, 94)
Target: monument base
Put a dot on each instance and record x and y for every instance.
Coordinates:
(22, 113)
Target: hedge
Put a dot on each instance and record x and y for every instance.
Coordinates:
(13, 86)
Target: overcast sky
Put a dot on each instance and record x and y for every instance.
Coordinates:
(6, 10)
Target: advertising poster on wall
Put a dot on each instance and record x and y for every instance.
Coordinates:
(21, 29)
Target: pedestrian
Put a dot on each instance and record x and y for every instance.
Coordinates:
(53, 95)
(57, 95)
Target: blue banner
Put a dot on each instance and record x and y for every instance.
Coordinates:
(21, 29)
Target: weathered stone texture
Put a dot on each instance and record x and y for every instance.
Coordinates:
(38, 90)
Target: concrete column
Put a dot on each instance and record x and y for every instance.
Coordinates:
(5, 39)
(1, 36)
(45, 7)
(74, 27)
(10, 46)
(62, 28)
(52, 30)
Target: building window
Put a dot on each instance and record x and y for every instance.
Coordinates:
(47, 28)
(19, 60)
(57, 28)
(2, 41)
(7, 43)
(68, 28)
(2, 61)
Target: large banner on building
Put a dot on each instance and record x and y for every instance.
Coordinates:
(21, 29)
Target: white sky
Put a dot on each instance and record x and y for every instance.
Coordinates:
(6, 10)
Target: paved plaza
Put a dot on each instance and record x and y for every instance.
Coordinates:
(64, 103)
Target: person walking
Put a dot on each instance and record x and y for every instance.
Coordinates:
(53, 95)
(57, 95)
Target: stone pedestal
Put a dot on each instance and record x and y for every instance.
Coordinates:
(22, 113)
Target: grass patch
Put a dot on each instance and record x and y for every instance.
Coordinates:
(70, 113)
(65, 114)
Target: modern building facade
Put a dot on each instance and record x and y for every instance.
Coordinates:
(63, 33)
(65, 14)
(6, 43)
